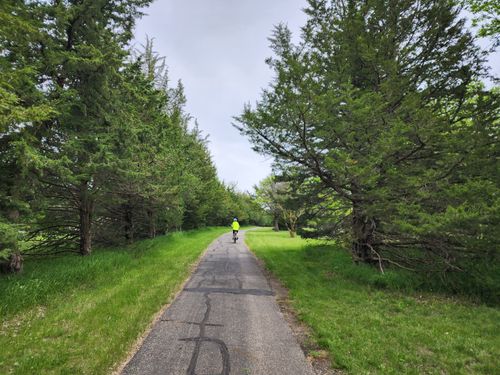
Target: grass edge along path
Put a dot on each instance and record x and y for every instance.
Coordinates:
(74, 315)
(370, 327)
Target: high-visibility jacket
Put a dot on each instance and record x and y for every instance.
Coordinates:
(235, 225)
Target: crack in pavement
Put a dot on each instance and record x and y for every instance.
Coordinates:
(226, 368)
(227, 287)
(206, 293)
(202, 338)
(252, 292)
(191, 323)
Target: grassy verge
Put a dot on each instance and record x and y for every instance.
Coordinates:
(375, 324)
(73, 315)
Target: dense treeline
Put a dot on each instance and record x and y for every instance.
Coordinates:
(95, 145)
(380, 121)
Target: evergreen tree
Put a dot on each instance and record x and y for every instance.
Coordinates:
(377, 103)
(82, 52)
(95, 145)
(22, 103)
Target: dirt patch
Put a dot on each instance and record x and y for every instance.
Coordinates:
(318, 357)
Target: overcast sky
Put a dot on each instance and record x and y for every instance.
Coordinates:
(217, 48)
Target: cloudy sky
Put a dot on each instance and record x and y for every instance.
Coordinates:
(218, 48)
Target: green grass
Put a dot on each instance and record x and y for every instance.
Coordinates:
(376, 324)
(74, 315)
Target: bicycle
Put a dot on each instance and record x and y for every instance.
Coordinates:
(235, 236)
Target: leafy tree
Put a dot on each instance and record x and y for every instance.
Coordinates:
(244, 206)
(282, 199)
(268, 195)
(487, 14)
(378, 103)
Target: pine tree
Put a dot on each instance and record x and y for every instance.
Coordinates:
(82, 53)
(372, 103)
(21, 105)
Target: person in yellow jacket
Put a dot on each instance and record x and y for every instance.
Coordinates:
(236, 227)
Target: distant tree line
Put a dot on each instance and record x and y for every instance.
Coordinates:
(380, 123)
(95, 144)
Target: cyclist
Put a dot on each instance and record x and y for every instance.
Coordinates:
(236, 227)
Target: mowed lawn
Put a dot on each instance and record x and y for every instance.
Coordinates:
(74, 315)
(375, 324)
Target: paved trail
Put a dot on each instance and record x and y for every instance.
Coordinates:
(225, 321)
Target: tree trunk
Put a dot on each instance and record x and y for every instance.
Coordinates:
(291, 219)
(129, 225)
(276, 220)
(292, 229)
(13, 265)
(152, 223)
(363, 228)
(86, 208)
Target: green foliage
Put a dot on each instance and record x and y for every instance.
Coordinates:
(21, 101)
(95, 145)
(8, 240)
(380, 323)
(380, 110)
(245, 207)
(61, 311)
(282, 200)
(487, 17)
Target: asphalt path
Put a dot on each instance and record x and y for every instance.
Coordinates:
(225, 321)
